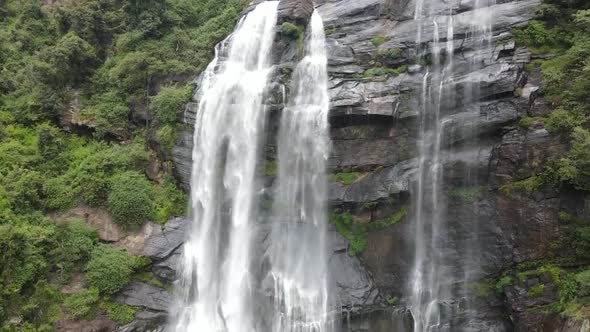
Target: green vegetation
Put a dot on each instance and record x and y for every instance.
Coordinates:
(119, 312)
(382, 71)
(110, 268)
(518, 92)
(527, 121)
(81, 305)
(170, 102)
(130, 199)
(392, 300)
(466, 194)
(376, 41)
(503, 283)
(356, 233)
(564, 30)
(291, 30)
(528, 185)
(390, 53)
(345, 178)
(391, 220)
(295, 33)
(536, 291)
(119, 71)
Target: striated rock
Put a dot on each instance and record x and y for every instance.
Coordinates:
(146, 321)
(295, 11)
(163, 241)
(139, 294)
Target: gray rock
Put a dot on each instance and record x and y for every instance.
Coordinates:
(295, 11)
(162, 243)
(146, 321)
(139, 294)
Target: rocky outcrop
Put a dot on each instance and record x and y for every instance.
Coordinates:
(295, 11)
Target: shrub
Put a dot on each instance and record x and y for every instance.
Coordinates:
(381, 71)
(356, 234)
(391, 220)
(74, 244)
(167, 137)
(376, 41)
(575, 167)
(119, 312)
(130, 199)
(170, 201)
(170, 102)
(109, 269)
(82, 304)
(111, 114)
(292, 31)
(345, 178)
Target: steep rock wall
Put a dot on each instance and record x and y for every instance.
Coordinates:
(374, 132)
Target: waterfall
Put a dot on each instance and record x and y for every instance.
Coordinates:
(430, 281)
(225, 266)
(214, 292)
(297, 251)
(432, 290)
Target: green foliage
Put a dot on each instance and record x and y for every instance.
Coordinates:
(502, 283)
(130, 199)
(381, 71)
(74, 244)
(386, 222)
(81, 305)
(536, 291)
(575, 167)
(169, 201)
(355, 233)
(465, 194)
(149, 278)
(392, 300)
(110, 268)
(292, 31)
(170, 102)
(119, 312)
(390, 53)
(537, 37)
(527, 121)
(42, 308)
(528, 185)
(517, 92)
(345, 178)
(167, 136)
(376, 41)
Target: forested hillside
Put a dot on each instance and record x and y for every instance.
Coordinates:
(90, 94)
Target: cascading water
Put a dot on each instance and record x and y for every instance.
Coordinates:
(433, 275)
(297, 251)
(215, 285)
(220, 288)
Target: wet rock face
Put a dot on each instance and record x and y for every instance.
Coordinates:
(295, 11)
(375, 121)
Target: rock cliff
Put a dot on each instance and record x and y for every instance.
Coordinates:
(374, 134)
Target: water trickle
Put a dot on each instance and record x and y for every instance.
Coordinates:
(214, 291)
(429, 287)
(433, 293)
(298, 246)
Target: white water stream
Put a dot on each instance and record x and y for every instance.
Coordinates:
(220, 289)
